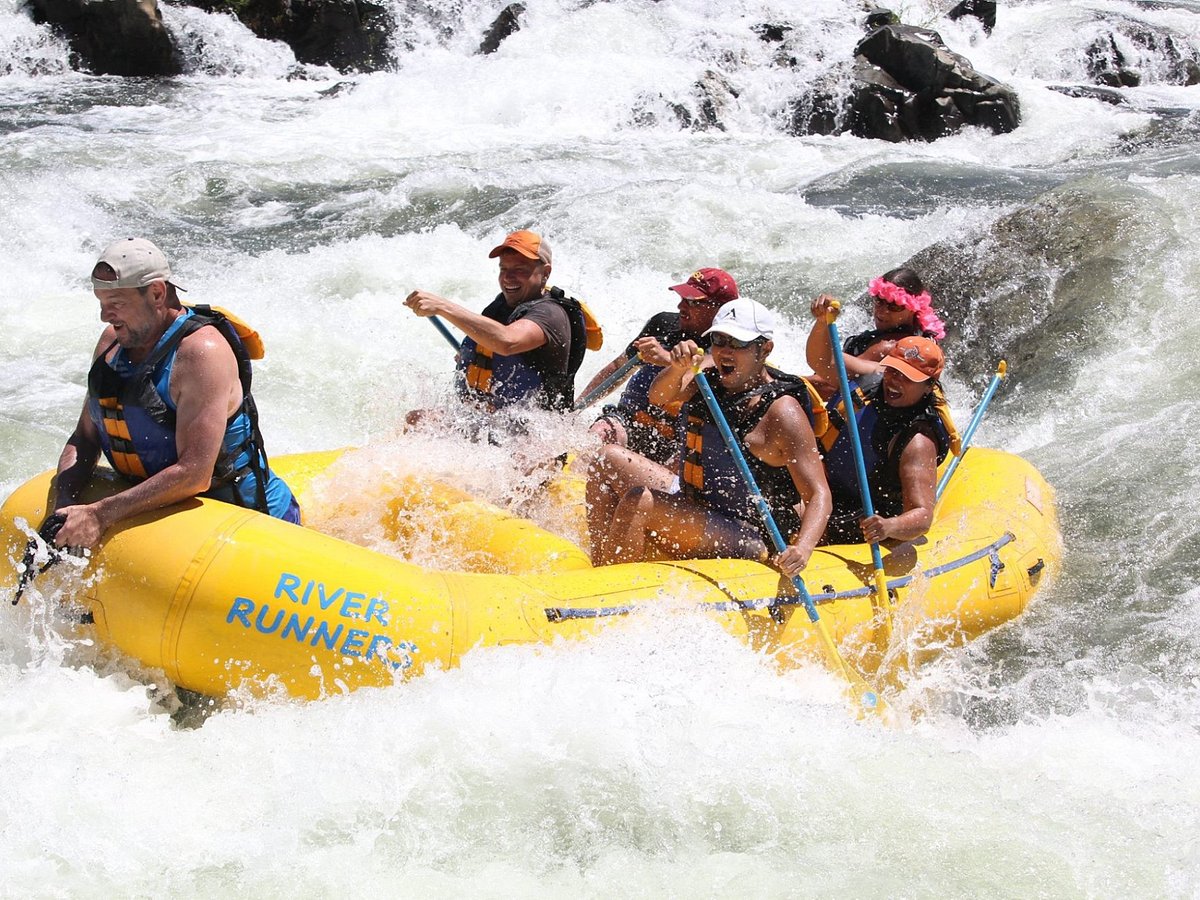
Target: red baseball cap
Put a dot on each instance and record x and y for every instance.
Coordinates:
(916, 358)
(714, 285)
(528, 243)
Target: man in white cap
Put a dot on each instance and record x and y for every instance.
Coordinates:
(773, 416)
(168, 404)
(525, 347)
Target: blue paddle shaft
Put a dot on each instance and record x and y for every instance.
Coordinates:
(860, 468)
(607, 384)
(760, 502)
(450, 338)
(969, 434)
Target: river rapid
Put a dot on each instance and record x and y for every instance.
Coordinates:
(1054, 757)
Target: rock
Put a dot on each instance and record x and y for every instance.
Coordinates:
(771, 32)
(1160, 57)
(922, 89)
(1106, 64)
(878, 17)
(983, 10)
(1091, 92)
(711, 97)
(714, 95)
(115, 37)
(504, 25)
(349, 35)
(905, 84)
(1044, 284)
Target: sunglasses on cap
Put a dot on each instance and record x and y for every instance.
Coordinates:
(720, 339)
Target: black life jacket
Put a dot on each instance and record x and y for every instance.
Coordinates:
(709, 472)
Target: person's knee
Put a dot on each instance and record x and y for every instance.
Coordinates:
(609, 431)
(640, 498)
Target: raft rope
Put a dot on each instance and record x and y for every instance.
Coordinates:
(990, 552)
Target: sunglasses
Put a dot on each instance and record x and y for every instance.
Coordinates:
(720, 339)
(892, 307)
(701, 301)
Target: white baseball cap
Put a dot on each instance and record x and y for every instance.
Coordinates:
(136, 262)
(745, 320)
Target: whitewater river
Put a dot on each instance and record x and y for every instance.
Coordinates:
(1055, 757)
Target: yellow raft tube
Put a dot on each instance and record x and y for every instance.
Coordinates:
(222, 598)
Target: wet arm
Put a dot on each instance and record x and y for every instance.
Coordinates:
(918, 479)
(206, 373)
(520, 336)
(790, 442)
(674, 384)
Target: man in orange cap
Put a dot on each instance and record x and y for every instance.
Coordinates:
(904, 435)
(525, 347)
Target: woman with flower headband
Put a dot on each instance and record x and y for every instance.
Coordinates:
(903, 308)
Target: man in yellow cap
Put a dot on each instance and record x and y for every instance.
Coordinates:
(526, 345)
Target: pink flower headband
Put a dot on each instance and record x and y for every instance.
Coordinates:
(921, 304)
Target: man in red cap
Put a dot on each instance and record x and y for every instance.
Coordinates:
(640, 438)
(634, 422)
(525, 347)
(904, 435)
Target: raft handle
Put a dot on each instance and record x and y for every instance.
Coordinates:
(997, 567)
(1036, 570)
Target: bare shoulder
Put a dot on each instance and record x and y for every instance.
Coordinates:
(204, 345)
(107, 338)
(786, 412)
(920, 449)
(205, 354)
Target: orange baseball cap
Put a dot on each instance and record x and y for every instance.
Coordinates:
(528, 243)
(916, 358)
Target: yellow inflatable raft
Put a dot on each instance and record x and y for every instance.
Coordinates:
(222, 598)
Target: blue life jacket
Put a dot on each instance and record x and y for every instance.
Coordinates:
(650, 430)
(131, 407)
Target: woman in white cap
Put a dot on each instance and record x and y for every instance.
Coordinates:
(772, 415)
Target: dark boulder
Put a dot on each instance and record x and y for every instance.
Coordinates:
(116, 37)
(349, 35)
(983, 10)
(703, 110)
(878, 17)
(1091, 92)
(906, 84)
(1161, 57)
(505, 24)
(1107, 64)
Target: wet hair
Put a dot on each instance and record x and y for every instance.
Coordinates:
(907, 279)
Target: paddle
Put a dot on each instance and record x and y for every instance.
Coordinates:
(865, 698)
(29, 568)
(450, 338)
(607, 384)
(1001, 371)
(860, 468)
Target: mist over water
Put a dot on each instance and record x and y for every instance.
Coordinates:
(1053, 757)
